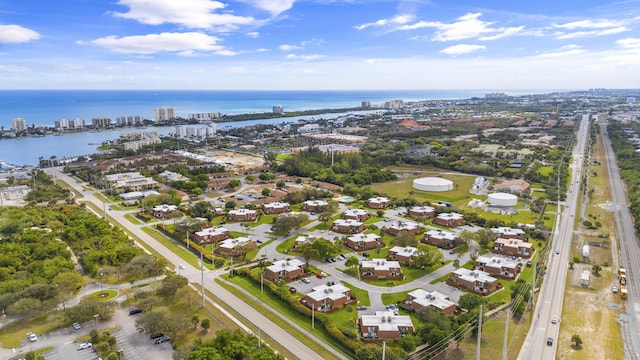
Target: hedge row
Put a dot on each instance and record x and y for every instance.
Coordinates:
(282, 292)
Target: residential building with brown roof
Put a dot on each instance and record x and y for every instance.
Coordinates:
(327, 298)
(348, 226)
(363, 242)
(315, 205)
(513, 186)
(419, 298)
(242, 215)
(285, 269)
(384, 326)
(513, 247)
(211, 235)
(498, 266)
(356, 214)
(450, 220)
(380, 269)
(275, 208)
(442, 239)
(235, 247)
(402, 255)
(477, 281)
(422, 212)
(378, 203)
(403, 226)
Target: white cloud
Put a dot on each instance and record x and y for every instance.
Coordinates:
(629, 43)
(504, 32)
(226, 52)
(592, 33)
(253, 34)
(398, 20)
(275, 7)
(304, 57)
(262, 50)
(287, 47)
(13, 68)
(188, 13)
(468, 26)
(182, 43)
(567, 50)
(590, 24)
(237, 70)
(462, 49)
(11, 34)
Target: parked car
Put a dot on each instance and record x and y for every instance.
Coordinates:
(614, 289)
(85, 345)
(162, 339)
(76, 326)
(32, 337)
(156, 335)
(293, 290)
(451, 252)
(134, 310)
(362, 308)
(365, 254)
(306, 281)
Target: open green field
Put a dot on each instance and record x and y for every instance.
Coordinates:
(545, 170)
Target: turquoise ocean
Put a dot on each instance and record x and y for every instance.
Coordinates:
(43, 107)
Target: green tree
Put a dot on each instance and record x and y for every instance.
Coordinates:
(230, 205)
(470, 301)
(351, 261)
(404, 239)
(280, 184)
(234, 183)
(195, 319)
(266, 192)
(171, 284)
(576, 340)
(205, 324)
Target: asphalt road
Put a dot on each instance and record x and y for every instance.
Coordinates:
(551, 295)
(629, 250)
(194, 275)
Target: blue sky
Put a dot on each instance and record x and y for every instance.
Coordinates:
(319, 44)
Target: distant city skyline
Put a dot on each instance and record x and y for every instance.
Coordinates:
(319, 44)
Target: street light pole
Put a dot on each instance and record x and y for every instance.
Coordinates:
(313, 316)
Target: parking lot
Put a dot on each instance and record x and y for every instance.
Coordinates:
(132, 344)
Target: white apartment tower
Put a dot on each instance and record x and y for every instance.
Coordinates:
(19, 124)
(164, 114)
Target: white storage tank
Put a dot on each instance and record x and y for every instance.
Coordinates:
(503, 199)
(432, 184)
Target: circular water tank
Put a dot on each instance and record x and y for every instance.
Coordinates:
(503, 199)
(432, 184)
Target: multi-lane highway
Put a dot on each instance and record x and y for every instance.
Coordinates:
(629, 250)
(258, 321)
(541, 341)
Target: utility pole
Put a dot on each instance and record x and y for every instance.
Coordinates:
(506, 335)
(313, 316)
(479, 333)
(202, 277)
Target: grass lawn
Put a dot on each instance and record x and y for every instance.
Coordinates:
(107, 295)
(132, 219)
(16, 331)
(177, 248)
(545, 170)
(361, 295)
(394, 298)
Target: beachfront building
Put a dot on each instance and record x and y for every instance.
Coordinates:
(211, 235)
(384, 326)
(442, 239)
(477, 281)
(66, 124)
(348, 226)
(419, 298)
(356, 214)
(450, 220)
(378, 202)
(235, 247)
(513, 247)
(163, 114)
(285, 269)
(363, 242)
(129, 120)
(404, 226)
(315, 205)
(100, 122)
(242, 215)
(275, 208)
(19, 124)
(164, 210)
(327, 298)
(498, 266)
(508, 233)
(380, 269)
(422, 212)
(402, 255)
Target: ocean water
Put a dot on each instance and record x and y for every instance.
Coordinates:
(43, 107)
